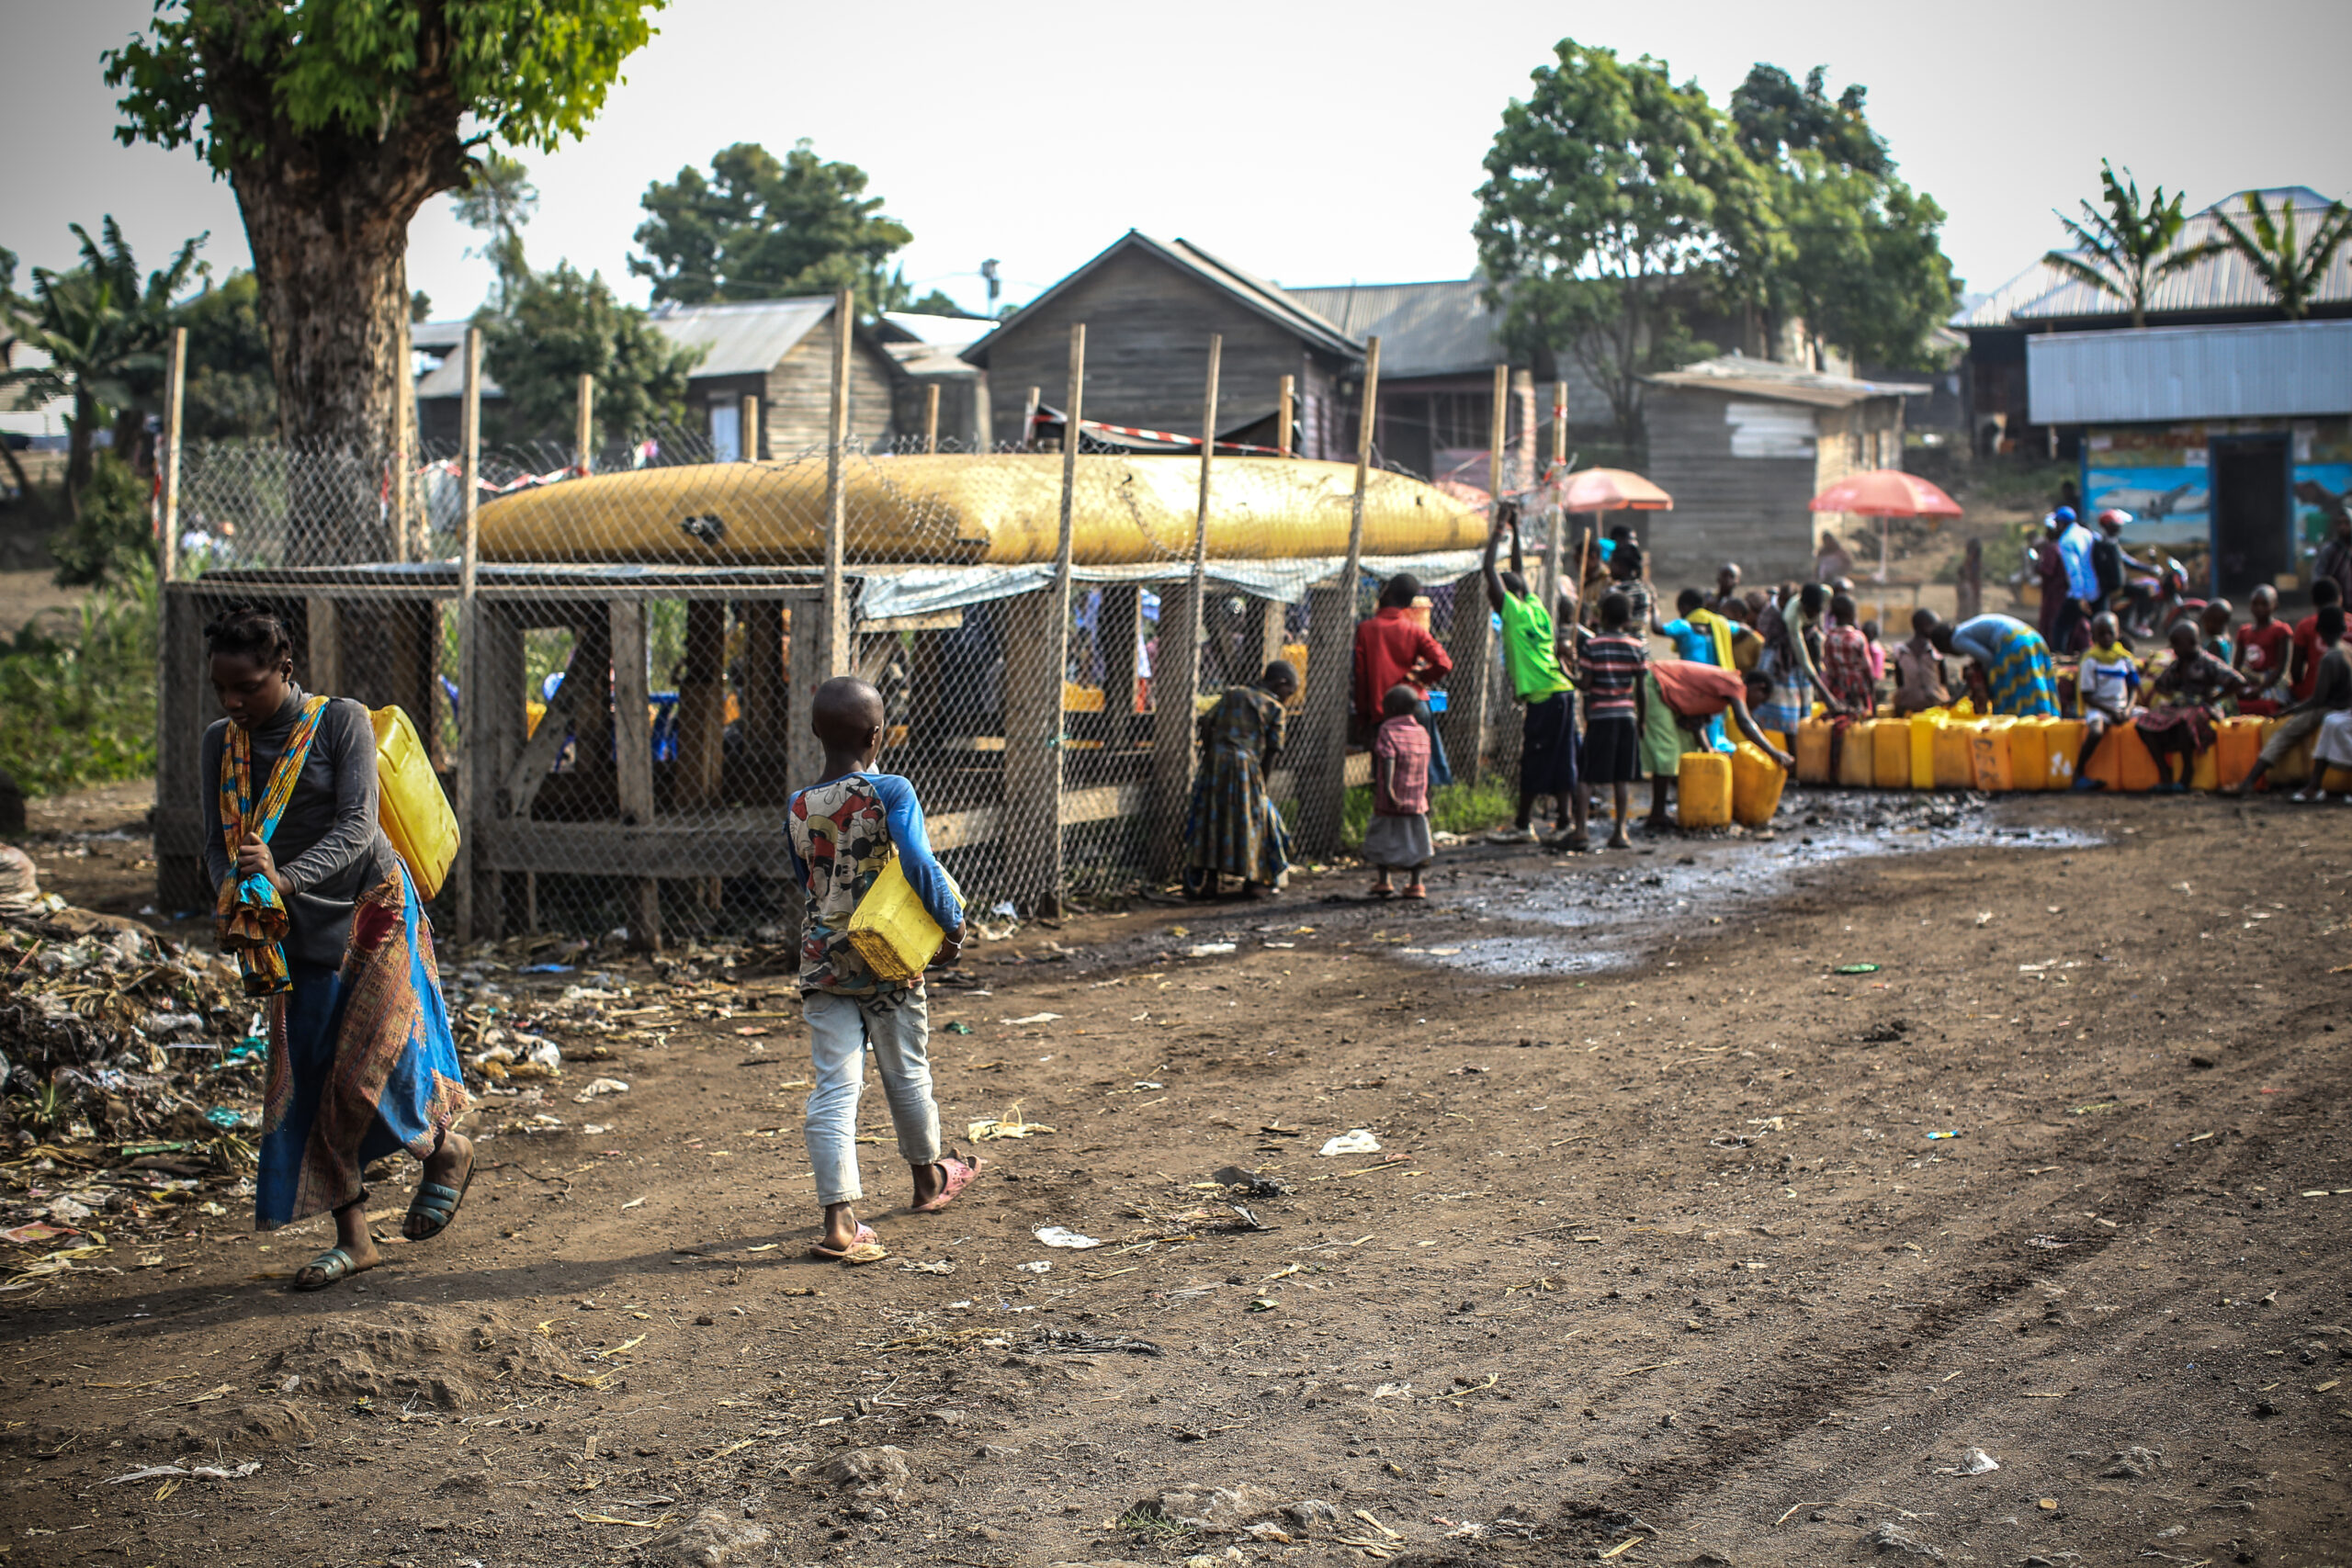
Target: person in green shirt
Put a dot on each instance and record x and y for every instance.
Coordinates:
(1531, 649)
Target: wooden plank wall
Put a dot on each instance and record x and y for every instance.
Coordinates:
(1147, 327)
(1750, 510)
(796, 407)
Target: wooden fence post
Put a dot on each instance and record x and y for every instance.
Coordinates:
(167, 476)
(1470, 640)
(633, 756)
(1176, 675)
(583, 427)
(1555, 474)
(836, 616)
(1285, 413)
(175, 886)
(1321, 768)
(749, 425)
(931, 418)
(1036, 661)
(408, 532)
(468, 638)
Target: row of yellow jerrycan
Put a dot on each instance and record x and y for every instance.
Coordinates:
(1949, 749)
(1714, 789)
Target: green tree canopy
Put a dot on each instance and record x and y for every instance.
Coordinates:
(563, 324)
(230, 394)
(1605, 184)
(336, 121)
(1775, 118)
(497, 201)
(757, 228)
(1863, 266)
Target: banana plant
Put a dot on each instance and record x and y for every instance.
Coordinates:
(2291, 268)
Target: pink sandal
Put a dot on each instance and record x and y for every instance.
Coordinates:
(864, 1237)
(960, 1175)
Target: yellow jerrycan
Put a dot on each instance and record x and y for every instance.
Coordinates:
(891, 930)
(1813, 752)
(1756, 783)
(1923, 727)
(410, 805)
(1702, 790)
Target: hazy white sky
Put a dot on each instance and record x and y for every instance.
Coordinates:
(1312, 141)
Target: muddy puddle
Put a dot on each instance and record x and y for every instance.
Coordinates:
(1606, 910)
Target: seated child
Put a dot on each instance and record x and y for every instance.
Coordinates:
(841, 831)
(1398, 837)
(2181, 723)
(2264, 648)
(2104, 685)
(2213, 632)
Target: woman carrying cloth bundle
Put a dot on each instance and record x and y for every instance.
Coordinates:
(326, 923)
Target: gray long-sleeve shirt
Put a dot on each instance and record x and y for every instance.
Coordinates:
(327, 845)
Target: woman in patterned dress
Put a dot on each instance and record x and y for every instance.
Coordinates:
(328, 930)
(1234, 829)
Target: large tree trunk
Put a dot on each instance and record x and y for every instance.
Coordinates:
(326, 215)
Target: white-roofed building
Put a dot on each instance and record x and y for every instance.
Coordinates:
(2224, 428)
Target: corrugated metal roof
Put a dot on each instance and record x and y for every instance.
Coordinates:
(448, 379)
(945, 332)
(1259, 295)
(2268, 369)
(1425, 329)
(2222, 282)
(930, 360)
(745, 339)
(1781, 383)
(1999, 308)
(441, 337)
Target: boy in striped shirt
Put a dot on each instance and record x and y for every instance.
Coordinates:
(1614, 661)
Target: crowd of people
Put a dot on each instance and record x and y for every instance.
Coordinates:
(328, 927)
(1755, 663)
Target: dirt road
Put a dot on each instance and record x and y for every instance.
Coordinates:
(1703, 1245)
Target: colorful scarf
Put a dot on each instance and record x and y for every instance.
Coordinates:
(250, 917)
(1718, 629)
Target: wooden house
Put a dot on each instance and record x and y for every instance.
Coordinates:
(1150, 308)
(1439, 345)
(781, 352)
(929, 350)
(1744, 445)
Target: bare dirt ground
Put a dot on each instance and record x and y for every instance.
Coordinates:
(29, 596)
(1662, 1258)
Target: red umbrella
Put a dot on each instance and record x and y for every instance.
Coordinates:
(1883, 493)
(1611, 490)
(1886, 492)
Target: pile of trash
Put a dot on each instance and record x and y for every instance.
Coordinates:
(131, 1081)
(110, 1034)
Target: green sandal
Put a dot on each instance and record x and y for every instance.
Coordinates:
(333, 1267)
(435, 1205)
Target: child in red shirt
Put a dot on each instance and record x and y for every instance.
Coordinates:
(2306, 652)
(2262, 650)
(1398, 838)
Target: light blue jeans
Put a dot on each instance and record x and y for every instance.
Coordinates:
(840, 1029)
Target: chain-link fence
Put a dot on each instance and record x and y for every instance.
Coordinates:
(614, 703)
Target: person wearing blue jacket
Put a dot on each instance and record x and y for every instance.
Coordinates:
(842, 831)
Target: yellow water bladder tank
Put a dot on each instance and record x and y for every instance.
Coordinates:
(996, 509)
